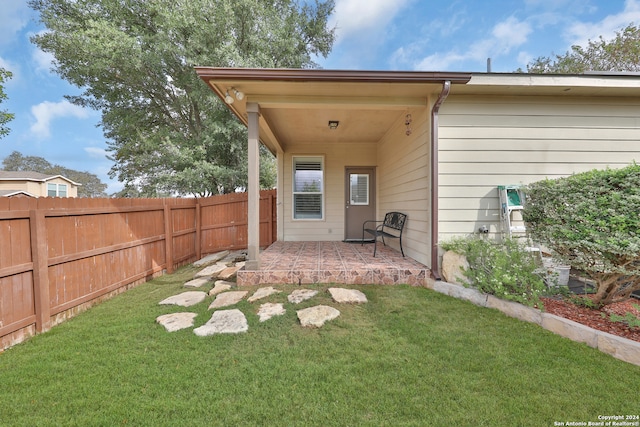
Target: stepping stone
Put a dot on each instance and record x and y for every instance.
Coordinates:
(224, 322)
(228, 272)
(211, 271)
(197, 283)
(268, 310)
(211, 259)
(220, 286)
(185, 299)
(300, 295)
(262, 293)
(228, 298)
(350, 296)
(317, 316)
(176, 321)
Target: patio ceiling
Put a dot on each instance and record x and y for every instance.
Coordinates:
(296, 105)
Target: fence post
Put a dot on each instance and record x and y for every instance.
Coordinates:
(198, 230)
(168, 236)
(40, 258)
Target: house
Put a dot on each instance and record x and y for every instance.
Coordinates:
(35, 184)
(352, 145)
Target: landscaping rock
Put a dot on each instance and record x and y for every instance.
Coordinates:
(211, 271)
(197, 283)
(176, 321)
(263, 293)
(300, 295)
(226, 299)
(220, 286)
(268, 310)
(350, 296)
(185, 299)
(317, 316)
(228, 272)
(224, 322)
(211, 259)
(452, 267)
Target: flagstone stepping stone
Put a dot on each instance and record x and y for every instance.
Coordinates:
(269, 309)
(350, 296)
(185, 299)
(263, 293)
(221, 286)
(317, 316)
(224, 322)
(300, 295)
(211, 259)
(228, 272)
(197, 283)
(228, 298)
(211, 271)
(176, 321)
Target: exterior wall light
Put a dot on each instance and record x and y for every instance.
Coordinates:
(333, 124)
(229, 99)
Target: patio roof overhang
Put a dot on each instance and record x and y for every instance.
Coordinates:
(297, 104)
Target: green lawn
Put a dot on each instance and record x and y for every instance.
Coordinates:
(410, 356)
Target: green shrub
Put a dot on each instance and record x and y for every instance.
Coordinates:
(504, 269)
(591, 221)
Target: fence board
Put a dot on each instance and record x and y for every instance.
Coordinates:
(58, 254)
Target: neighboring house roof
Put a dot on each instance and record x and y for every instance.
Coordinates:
(31, 176)
(11, 193)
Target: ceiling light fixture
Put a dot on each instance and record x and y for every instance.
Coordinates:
(333, 124)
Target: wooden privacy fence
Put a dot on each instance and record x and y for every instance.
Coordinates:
(60, 255)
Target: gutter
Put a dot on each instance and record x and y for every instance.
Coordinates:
(446, 88)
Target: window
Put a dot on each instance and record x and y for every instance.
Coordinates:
(57, 190)
(359, 185)
(308, 187)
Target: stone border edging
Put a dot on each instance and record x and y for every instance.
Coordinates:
(618, 347)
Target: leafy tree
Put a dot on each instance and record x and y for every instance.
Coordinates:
(620, 54)
(5, 116)
(134, 60)
(91, 184)
(591, 221)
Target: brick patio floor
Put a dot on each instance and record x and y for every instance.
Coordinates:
(333, 262)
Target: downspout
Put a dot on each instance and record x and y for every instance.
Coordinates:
(446, 88)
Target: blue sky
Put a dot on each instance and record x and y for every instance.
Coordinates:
(435, 35)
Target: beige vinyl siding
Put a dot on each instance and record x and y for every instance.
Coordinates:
(491, 141)
(403, 182)
(336, 156)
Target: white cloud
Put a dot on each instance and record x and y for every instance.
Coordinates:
(14, 17)
(42, 60)
(356, 17)
(46, 112)
(505, 36)
(581, 32)
(96, 152)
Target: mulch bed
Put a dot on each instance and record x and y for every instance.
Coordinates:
(597, 318)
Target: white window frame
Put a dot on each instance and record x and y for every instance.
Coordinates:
(58, 188)
(356, 203)
(310, 158)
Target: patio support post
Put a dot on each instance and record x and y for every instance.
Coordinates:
(253, 188)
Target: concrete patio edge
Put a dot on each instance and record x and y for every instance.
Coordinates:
(621, 348)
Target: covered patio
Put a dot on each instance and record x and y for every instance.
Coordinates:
(310, 262)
